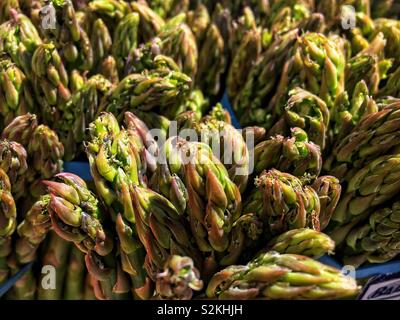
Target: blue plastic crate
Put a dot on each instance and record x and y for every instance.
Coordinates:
(80, 168)
(225, 103)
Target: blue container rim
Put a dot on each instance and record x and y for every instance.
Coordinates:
(11, 281)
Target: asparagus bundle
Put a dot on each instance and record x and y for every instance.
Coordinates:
(177, 46)
(8, 216)
(21, 129)
(243, 60)
(76, 215)
(369, 65)
(45, 156)
(349, 110)
(68, 36)
(227, 143)
(390, 31)
(163, 89)
(79, 112)
(13, 160)
(178, 279)
(161, 229)
(222, 18)
(373, 136)
(32, 231)
(19, 39)
(114, 157)
(115, 164)
(241, 27)
(283, 203)
(307, 242)
(295, 155)
(308, 112)
(101, 42)
(370, 186)
(110, 11)
(195, 103)
(212, 61)
(281, 276)
(262, 81)
(376, 240)
(50, 80)
(198, 20)
(148, 57)
(323, 60)
(296, 14)
(329, 191)
(210, 198)
(15, 94)
(43, 148)
(150, 22)
(125, 39)
(179, 43)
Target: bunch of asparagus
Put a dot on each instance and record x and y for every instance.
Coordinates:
(230, 215)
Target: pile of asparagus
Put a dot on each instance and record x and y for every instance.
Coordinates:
(120, 84)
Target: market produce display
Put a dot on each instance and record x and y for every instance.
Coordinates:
(182, 205)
